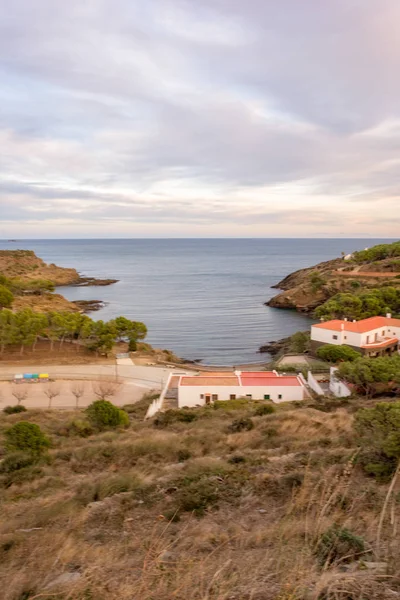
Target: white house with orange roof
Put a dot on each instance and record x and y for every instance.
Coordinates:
(376, 336)
(206, 388)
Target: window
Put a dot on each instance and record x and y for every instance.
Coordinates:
(279, 396)
(335, 337)
(367, 339)
(232, 397)
(214, 397)
(201, 396)
(267, 397)
(383, 332)
(345, 337)
(249, 396)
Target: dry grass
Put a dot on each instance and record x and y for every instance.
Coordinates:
(193, 511)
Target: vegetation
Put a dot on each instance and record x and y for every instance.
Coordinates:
(285, 510)
(6, 297)
(361, 305)
(11, 410)
(334, 354)
(27, 437)
(379, 252)
(26, 327)
(372, 376)
(105, 415)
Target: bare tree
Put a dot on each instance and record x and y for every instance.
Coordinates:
(77, 390)
(20, 393)
(51, 391)
(105, 389)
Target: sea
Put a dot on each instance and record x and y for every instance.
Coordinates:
(201, 298)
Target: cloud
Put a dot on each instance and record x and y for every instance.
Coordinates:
(175, 115)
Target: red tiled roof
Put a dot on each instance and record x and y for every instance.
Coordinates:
(359, 326)
(288, 381)
(208, 381)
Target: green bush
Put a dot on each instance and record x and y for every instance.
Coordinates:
(15, 461)
(106, 487)
(378, 430)
(11, 410)
(104, 415)
(338, 544)
(171, 416)
(27, 437)
(243, 424)
(80, 427)
(334, 354)
(264, 409)
(6, 297)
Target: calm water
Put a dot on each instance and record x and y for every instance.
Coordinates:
(201, 298)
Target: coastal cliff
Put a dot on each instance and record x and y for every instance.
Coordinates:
(307, 289)
(26, 266)
(32, 282)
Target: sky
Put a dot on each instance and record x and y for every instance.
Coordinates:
(211, 118)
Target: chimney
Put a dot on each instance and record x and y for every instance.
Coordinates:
(342, 326)
(388, 315)
(345, 319)
(354, 321)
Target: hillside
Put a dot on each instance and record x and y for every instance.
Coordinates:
(309, 288)
(26, 266)
(215, 504)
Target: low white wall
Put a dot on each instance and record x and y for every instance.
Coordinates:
(314, 385)
(336, 387)
(154, 407)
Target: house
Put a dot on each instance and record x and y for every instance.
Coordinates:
(376, 336)
(206, 388)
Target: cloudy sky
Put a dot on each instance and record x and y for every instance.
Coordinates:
(177, 118)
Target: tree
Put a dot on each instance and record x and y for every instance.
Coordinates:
(371, 376)
(300, 342)
(20, 393)
(103, 415)
(378, 431)
(51, 391)
(130, 330)
(27, 437)
(105, 389)
(334, 354)
(6, 297)
(77, 390)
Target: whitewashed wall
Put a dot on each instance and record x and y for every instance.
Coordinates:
(314, 385)
(338, 388)
(190, 395)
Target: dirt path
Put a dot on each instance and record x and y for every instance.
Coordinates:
(366, 274)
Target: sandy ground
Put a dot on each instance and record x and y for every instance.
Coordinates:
(133, 382)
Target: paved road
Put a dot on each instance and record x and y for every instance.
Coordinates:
(134, 381)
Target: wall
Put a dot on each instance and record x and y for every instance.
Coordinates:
(190, 395)
(338, 388)
(314, 385)
(326, 336)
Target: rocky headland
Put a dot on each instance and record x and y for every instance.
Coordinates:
(306, 289)
(24, 267)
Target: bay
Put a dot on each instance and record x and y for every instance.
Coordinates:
(202, 298)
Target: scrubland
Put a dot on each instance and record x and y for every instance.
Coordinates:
(227, 503)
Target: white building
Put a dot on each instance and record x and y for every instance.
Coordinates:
(376, 336)
(205, 388)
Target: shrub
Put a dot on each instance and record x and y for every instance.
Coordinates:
(243, 424)
(338, 543)
(197, 496)
(15, 461)
(103, 415)
(378, 429)
(80, 427)
(237, 404)
(170, 416)
(106, 487)
(11, 410)
(26, 437)
(332, 353)
(264, 409)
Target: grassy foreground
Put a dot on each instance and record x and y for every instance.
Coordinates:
(218, 504)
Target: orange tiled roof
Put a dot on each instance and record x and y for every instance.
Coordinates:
(359, 326)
